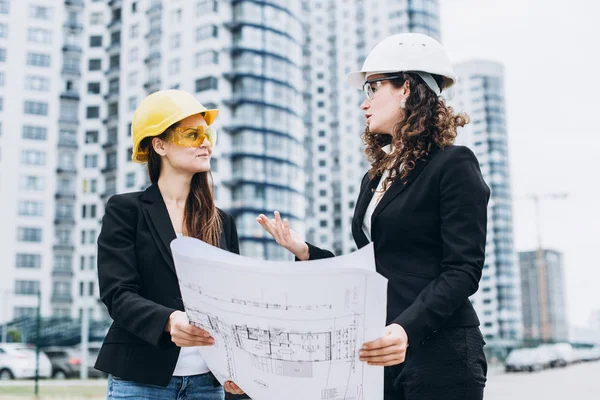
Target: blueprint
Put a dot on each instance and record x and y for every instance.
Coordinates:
(285, 329)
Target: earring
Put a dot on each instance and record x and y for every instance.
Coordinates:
(403, 103)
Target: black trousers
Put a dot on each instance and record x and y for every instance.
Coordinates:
(449, 365)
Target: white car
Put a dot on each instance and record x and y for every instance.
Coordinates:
(17, 361)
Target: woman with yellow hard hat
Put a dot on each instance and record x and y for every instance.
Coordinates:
(150, 349)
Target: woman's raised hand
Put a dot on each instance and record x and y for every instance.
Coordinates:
(284, 236)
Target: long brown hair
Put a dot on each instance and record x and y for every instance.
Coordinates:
(427, 122)
(200, 217)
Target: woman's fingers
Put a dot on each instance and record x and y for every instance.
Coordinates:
(232, 388)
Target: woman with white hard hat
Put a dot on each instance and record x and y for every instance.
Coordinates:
(423, 204)
(150, 351)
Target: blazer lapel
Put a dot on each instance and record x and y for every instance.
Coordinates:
(364, 198)
(157, 216)
(397, 187)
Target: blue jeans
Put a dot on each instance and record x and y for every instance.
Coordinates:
(196, 387)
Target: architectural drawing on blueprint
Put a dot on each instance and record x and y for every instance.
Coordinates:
(284, 328)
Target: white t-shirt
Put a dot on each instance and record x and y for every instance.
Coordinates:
(190, 362)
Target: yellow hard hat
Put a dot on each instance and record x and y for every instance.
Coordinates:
(159, 111)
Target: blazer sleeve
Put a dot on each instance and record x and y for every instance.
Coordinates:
(119, 278)
(463, 218)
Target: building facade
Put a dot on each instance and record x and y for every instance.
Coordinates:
(543, 296)
(480, 93)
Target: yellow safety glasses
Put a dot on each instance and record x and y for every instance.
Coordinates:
(192, 136)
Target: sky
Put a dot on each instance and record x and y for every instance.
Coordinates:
(551, 54)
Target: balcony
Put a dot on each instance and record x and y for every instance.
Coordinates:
(114, 24)
(152, 85)
(113, 72)
(62, 272)
(115, 3)
(108, 193)
(69, 143)
(64, 220)
(155, 8)
(71, 71)
(69, 95)
(112, 96)
(64, 196)
(112, 120)
(66, 170)
(75, 3)
(154, 32)
(71, 48)
(61, 298)
(73, 25)
(114, 47)
(154, 56)
(109, 169)
(64, 247)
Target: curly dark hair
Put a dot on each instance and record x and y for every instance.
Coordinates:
(428, 122)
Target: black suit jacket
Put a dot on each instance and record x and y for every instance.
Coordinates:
(429, 237)
(139, 286)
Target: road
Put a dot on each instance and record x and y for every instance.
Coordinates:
(576, 382)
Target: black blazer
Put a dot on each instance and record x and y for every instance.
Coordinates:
(139, 286)
(429, 237)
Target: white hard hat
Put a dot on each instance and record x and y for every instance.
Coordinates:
(407, 52)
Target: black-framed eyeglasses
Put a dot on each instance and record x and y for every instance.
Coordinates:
(370, 91)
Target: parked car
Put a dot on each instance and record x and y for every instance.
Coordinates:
(587, 354)
(18, 360)
(66, 361)
(561, 354)
(528, 359)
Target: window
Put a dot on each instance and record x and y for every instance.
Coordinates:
(321, 133)
(33, 157)
(205, 32)
(204, 6)
(175, 41)
(32, 183)
(68, 111)
(206, 84)
(174, 66)
(91, 137)
(207, 57)
(24, 312)
(31, 208)
(92, 263)
(93, 211)
(134, 31)
(4, 6)
(28, 260)
(2, 54)
(90, 161)
(29, 235)
(40, 12)
(34, 132)
(3, 31)
(36, 108)
(96, 41)
(39, 35)
(37, 83)
(133, 7)
(92, 112)
(94, 87)
(63, 262)
(323, 223)
(97, 18)
(95, 64)
(27, 287)
(2, 79)
(130, 180)
(61, 289)
(38, 59)
(132, 103)
(133, 54)
(132, 79)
